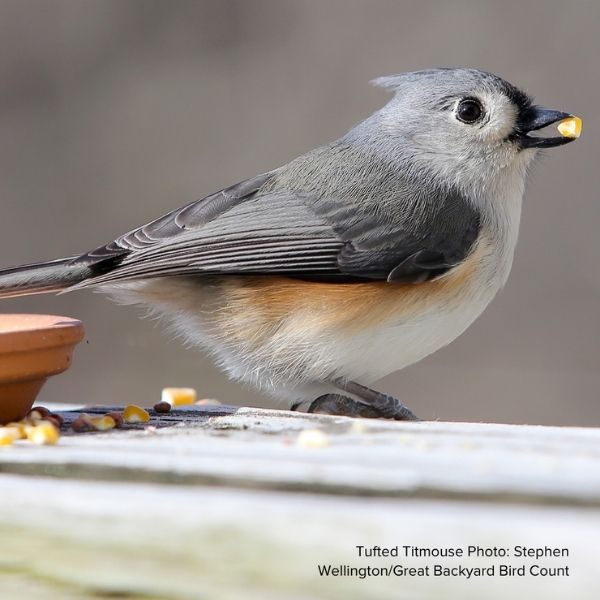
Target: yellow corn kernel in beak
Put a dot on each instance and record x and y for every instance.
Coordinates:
(135, 414)
(178, 396)
(43, 433)
(570, 127)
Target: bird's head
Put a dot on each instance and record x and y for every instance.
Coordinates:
(467, 125)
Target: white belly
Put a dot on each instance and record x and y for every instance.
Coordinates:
(372, 354)
(310, 344)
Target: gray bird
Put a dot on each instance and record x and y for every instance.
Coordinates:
(350, 262)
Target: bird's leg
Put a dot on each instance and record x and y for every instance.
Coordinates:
(371, 404)
(336, 404)
(388, 407)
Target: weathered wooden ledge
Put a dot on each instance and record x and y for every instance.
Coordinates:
(223, 502)
(257, 448)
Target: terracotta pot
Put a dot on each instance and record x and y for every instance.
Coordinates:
(32, 348)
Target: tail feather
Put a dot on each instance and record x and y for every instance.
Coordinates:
(42, 278)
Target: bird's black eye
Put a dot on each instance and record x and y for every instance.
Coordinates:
(469, 110)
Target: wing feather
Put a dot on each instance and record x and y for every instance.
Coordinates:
(256, 227)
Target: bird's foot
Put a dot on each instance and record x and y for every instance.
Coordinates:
(388, 407)
(336, 404)
(385, 407)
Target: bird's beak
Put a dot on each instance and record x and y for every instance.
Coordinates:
(536, 117)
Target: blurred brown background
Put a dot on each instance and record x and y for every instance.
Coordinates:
(113, 112)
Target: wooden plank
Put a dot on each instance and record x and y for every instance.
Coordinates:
(224, 529)
(188, 542)
(256, 448)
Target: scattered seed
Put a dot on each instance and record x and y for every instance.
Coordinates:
(57, 417)
(103, 423)
(135, 414)
(37, 413)
(179, 396)
(20, 427)
(8, 435)
(117, 417)
(52, 419)
(313, 438)
(43, 433)
(208, 402)
(81, 424)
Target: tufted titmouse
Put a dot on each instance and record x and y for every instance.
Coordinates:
(348, 263)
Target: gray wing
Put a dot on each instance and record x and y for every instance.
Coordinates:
(426, 233)
(247, 229)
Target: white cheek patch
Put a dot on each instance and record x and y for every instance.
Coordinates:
(501, 116)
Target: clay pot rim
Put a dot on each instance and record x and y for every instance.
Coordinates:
(32, 348)
(23, 332)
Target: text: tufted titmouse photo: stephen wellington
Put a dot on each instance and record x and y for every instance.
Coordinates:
(350, 262)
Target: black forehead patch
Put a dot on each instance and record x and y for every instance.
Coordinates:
(518, 97)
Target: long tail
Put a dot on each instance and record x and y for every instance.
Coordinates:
(43, 278)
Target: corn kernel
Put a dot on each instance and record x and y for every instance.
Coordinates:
(117, 416)
(56, 422)
(37, 413)
(178, 396)
(58, 418)
(81, 424)
(103, 423)
(570, 127)
(135, 414)
(313, 438)
(20, 427)
(43, 432)
(8, 435)
(208, 402)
